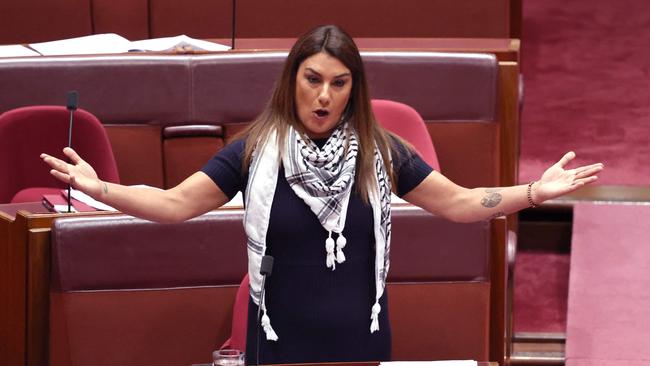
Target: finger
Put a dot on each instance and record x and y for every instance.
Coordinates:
(582, 181)
(56, 163)
(566, 159)
(60, 176)
(586, 167)
(74, 157)
(589, 170)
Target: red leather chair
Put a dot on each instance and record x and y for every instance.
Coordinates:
(27, 132)
(406, 122)
(239, 328)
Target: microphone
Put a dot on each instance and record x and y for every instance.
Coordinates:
(266, 267)
(71, 105)
(234, 24)
(265, 270)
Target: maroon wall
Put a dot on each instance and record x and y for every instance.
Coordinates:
(29, 21)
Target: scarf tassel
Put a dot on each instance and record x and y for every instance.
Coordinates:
(329, 247)
(374, 325)
(340, 244)
(268, 329)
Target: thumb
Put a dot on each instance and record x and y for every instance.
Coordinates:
(74, 157)
(566, 159)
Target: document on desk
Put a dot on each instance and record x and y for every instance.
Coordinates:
(87, 45)
(431, 363)
(17, 51)
(180, 43)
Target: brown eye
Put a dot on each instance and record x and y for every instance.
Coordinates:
(313, 79)
(338, 83)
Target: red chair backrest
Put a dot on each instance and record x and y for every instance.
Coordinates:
(406, 122)
(239, 330)
(27, 132)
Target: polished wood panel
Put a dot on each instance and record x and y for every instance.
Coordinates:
(500, 299)
(506, 49)
(24, 255)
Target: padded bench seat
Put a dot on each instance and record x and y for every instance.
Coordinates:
(139, 97)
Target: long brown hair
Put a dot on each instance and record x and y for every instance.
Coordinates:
(280, 111)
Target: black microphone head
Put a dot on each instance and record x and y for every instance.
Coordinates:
(73, 100)
(267, 265)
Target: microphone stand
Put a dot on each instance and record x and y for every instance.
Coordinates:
(73, 99)
(70, 146)
(234, 24)
(266, 268)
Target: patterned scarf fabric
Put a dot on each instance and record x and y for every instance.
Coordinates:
(323, 179)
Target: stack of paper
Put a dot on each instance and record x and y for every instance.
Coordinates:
(113, 43)
(16, 51)
(88, 45)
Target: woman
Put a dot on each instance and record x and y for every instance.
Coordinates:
(317, 171)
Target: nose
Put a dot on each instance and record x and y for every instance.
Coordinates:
(324, 97)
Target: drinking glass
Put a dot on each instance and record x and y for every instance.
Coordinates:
(228, 357)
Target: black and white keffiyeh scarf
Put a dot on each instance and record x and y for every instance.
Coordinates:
(323, 179)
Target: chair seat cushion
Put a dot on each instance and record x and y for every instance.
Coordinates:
(33, 194)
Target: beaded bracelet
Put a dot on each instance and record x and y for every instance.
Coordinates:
(529, 194)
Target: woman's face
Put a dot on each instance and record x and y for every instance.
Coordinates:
(323, 86)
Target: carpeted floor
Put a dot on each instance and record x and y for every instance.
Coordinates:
(609, 306)
(541, 287)
(586, 67)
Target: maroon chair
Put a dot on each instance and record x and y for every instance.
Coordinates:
(27, 132)
(406, 122)
(239, 328)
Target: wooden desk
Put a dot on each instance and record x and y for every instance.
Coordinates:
(506, 49)
(25, 281)
(25, 274)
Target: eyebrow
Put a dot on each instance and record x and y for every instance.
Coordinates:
(319, 74)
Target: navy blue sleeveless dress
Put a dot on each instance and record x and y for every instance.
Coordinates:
(319, 315)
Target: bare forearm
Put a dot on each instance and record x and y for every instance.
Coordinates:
(145, 202)
(486, 203)
(442, 197)
(194, 196)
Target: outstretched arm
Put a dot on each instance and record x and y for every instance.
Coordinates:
(192, 197)
(440, 196)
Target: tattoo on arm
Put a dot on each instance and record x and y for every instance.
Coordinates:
(105, 188)
(491, 200)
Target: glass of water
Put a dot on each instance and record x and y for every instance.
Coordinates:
(228, 357)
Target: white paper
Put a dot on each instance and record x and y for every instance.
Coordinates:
(431, 363)
(16, 51)
(88, 45)
(63, 208)
(80, 196)
(396, 199)
(237, 201)
(171, 43)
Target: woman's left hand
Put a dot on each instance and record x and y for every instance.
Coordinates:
(557, 181)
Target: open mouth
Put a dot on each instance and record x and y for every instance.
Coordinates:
(321, 113)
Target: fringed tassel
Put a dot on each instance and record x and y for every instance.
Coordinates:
(374, 325)
(340, 244)
(268, 329)
(329, 247)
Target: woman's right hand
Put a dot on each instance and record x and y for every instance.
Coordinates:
(79, 174)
